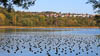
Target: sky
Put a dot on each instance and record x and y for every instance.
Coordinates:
(64, 6)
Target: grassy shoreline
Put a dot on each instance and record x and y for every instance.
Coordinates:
(48, 27)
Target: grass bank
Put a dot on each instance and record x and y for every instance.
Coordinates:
(48, 27)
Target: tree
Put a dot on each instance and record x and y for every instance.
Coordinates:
(9, 4)
(42, 20)
(95, 4)
(2, 19)
(97, 18)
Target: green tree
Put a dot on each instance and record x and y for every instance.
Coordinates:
(95, 4)
(97, 18)
(42, 20)
(9, 4)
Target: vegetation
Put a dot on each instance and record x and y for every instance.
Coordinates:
(96, 6)
(9, 4)
(97, 19)
(41, 19)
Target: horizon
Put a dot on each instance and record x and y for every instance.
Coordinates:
(53, 11)
(63, 6)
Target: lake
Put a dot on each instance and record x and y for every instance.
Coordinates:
(50, 42)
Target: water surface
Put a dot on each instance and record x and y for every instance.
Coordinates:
(50, 42)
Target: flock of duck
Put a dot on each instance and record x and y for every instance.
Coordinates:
(49, 44)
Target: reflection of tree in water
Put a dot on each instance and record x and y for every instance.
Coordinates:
(49, 44)
(98, 38)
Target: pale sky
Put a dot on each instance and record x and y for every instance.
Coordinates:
(65, 6)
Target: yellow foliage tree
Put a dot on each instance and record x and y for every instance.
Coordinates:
(2, 19)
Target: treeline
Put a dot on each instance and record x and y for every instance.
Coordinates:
(40, 19)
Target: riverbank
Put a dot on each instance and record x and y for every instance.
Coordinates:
(47, 27)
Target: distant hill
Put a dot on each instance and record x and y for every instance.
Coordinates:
(46, 19)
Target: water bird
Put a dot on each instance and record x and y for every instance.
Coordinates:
(48, 54)
(34, 52)
(21, 52)
(17, 49)
(8, 51)
(96, 53)
(30, 49)
(56, 50)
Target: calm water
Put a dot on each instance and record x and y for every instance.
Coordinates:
(50, 42)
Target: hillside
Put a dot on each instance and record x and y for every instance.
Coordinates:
(44, 19)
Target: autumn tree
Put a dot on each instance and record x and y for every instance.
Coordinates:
(2, 19)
